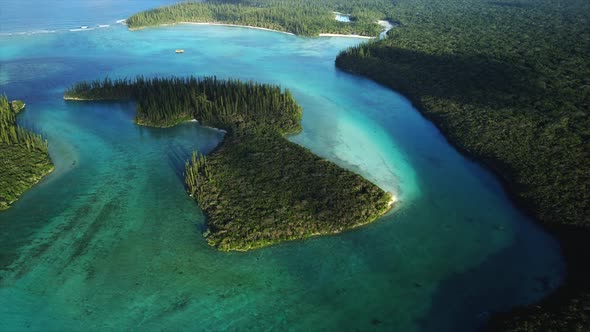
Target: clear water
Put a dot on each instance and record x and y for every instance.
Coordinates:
(35, 16)
(342, 18)
(110, 240)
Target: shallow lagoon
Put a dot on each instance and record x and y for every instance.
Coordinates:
(110, 240)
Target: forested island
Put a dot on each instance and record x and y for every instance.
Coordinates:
(307, 18)
(257, 188)
(25, 159)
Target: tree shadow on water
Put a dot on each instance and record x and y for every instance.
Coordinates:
(177, 156)
(501, 279)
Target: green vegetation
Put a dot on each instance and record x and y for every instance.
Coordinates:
(24, 155)
(508, 83)
(229, 104)
(257, 188)
(305, 17)
(262, 189)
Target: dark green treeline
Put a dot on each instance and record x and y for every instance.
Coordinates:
(25, 159)
(11, 133)
(231, 105)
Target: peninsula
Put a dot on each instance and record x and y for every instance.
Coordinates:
(257, 188)
(25, 159)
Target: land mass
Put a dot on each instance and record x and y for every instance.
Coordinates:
(257, 188)
(507, 83)
(300, 19)
(25, 159)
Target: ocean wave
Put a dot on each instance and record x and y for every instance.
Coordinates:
(60, 29)
(43, 31)
(27, 33)
(34, 32)
(81, 29)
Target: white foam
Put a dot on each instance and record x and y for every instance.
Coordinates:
(81, 29)
(41, 31)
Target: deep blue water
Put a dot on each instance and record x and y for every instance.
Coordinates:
(110, 240)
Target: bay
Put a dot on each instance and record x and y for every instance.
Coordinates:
(110, 240)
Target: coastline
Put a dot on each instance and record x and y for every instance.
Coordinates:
(208, 127)
(341, 35)
(390, 207)
(37, 180)
(387, 25)
(387, 28)
(216, 24)
(150, 124)
(76, 98)
(24, 166)
(237, 26)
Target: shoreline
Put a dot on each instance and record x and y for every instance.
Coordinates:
(151, 125)
(76, 98)
(390, 207)
(237, 26)
(387, 25)
(41, 177)
(345, 36)
(387, 28)
(208, 127)
(215, 24)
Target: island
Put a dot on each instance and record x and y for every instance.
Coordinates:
(256, 188)
(25, 158)
(306, 18)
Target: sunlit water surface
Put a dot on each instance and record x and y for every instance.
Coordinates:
(110, 240)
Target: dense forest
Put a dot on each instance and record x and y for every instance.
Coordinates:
(25, 159)
(308, 18)
(256, 188)
(228, 104)
(508, 82)
(262, 189)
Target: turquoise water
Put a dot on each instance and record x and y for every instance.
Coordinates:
(342, 18)
(34, 16)
(110, 240)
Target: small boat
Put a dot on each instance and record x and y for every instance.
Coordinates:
(84, 27)
(179, 51)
